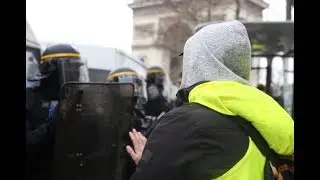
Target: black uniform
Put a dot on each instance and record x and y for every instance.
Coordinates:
(38, 136)
(59, 64)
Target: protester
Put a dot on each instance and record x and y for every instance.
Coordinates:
(202, 139)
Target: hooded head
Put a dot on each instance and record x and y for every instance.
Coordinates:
(218, 52)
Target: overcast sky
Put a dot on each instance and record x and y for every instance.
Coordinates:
(101, 22)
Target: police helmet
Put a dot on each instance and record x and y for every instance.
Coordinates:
(155, 75)
(64, 61)
(127, 75)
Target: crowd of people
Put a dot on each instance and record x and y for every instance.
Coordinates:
(219, 127)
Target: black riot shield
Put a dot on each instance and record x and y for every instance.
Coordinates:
(92, 131)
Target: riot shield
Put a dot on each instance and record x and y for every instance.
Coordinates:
(92, 131)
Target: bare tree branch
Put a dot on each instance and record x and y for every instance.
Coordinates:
(182, 9)
(172, 31)
(209, 10)
(190, 11)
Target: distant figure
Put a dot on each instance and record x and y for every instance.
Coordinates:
(261, 87)
(278, 99)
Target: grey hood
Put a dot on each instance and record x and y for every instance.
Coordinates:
(218, 52)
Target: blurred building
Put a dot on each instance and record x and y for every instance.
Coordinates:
(161, 27)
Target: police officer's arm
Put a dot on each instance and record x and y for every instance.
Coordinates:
(43, 132)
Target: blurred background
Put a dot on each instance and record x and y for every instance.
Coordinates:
(143, 33)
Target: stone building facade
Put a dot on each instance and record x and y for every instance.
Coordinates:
(160, 32)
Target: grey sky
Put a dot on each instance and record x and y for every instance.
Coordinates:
(101, 22)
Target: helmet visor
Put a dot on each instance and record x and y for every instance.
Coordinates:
(68, 69)
(139, 88)
(74, 70)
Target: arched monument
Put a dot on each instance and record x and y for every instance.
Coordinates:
(160, 31)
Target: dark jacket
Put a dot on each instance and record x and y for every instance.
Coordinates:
(39, 136)
(201, 141)
(195, 145)
(39, 146)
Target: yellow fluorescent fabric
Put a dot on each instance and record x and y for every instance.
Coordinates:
(250, 167)
(265, 114)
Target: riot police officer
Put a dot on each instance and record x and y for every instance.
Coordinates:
(59, 64)
(127, 75)
(138, 121)
(157, 102)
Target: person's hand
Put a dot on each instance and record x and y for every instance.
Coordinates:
(138, 141)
